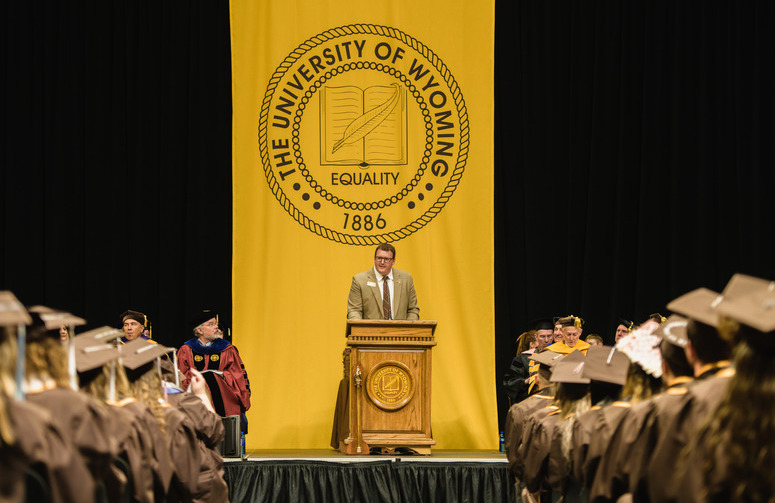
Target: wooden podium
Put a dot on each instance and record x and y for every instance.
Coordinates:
(388, 375)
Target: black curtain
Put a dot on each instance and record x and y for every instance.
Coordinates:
(116, 180)
(633, 155)
(373, 481)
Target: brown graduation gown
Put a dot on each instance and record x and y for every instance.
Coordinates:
(515, 421)
(184, 451)
(136, 451)
(631, 445)
(42, 444)
(85, 421)
(583, 430)
(606, 421)
(211, 486)
(155, 444)
(666, 480)
(536, 441)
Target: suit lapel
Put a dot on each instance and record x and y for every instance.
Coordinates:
(397, 290)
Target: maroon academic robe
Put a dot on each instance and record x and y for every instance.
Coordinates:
(222, 368)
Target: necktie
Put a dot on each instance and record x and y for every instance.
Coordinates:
(386, 298)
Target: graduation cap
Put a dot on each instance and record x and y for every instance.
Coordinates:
(138, 352)
(542, 324)
(547, 358)
(134, 315)
(570, 321)
(674, 331)
(741, 284)
(49, 320)
(46, 323)
(570, 371)
(699, 305)
(574, 356)
(92, 352)
(204, 316)
(12, 311)
(627, 323)
(657, 317)
(756, 310)
(606, 364)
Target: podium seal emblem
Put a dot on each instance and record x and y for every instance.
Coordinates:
(363, 134)
(390, 385)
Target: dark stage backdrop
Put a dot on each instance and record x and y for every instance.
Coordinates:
(116, 182)
(633, 158)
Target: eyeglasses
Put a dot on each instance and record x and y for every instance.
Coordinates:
(383, 259)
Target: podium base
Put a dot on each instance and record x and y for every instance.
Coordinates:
(350, 446)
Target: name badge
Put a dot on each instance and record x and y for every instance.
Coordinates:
(370, 283)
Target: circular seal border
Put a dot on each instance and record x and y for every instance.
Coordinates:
(383, 405)
(460, 163)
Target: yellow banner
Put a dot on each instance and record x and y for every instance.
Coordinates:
(356, 123)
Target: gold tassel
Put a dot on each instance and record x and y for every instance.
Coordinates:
(577, 322)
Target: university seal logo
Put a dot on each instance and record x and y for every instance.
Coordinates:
(390, 385)
(363, 134)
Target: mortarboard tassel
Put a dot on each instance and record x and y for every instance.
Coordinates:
(20, 361)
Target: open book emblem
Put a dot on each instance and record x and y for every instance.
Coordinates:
(362, 127)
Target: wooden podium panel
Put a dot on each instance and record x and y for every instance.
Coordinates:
(389, 385)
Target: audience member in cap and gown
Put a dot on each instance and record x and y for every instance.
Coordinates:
(643, 381)
(721, 421)
(574, 400)
(211, 486)
(624, 465)
(732, 454)
(96, 358)
(83, 419)
(538, 428)
(30, 440)
(607, 371)
(176, 449)
(519, 412)
(708, 354)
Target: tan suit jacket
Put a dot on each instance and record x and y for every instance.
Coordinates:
(365, 300)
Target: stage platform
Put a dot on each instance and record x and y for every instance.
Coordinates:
(329, 476)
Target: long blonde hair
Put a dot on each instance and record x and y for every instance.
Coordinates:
(7, 385)
(47, 358)
(147, 389)
(742, 429)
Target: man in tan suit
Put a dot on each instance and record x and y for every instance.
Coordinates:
(383, 293)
